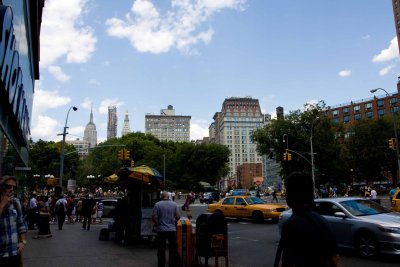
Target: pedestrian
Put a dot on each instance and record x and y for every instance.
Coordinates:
(61, 210)
(306, 238)
(12, 227)
(100, 208)
(186, 206)
(274, 196)
(165, 217)
(374, 194)
(87, 209)
(44, 218)
(70, 208)
(32, 211)
(78, 211)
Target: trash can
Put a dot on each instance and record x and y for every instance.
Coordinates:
(212, 237)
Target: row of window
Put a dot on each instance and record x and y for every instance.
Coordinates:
(368, 115)
(380, 103)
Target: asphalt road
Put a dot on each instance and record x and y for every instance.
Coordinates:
(253, 244)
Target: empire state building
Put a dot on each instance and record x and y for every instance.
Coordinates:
(90, 134)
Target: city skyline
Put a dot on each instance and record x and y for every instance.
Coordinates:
(141, 56)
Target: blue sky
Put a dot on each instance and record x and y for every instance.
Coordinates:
(143, 55)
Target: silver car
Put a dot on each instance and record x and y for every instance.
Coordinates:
(359, 224)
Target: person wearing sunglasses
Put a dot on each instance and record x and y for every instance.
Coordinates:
(12, 227)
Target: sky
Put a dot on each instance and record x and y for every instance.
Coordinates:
(143, 55)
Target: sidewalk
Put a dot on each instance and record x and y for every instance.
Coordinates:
(79, 248)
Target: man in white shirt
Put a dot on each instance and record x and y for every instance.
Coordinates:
(374, 194)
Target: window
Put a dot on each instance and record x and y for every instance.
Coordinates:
(369, 115)
(228, 201)
(381, 113)
(335, 119)
(393, 100)
(394, 109)
(346, 119)
(356, 109)
(357, 117)
(380, 103)
(335, 113)
(346, 110)
(239, 201)
(368, 106)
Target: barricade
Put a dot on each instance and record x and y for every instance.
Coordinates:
(185, 241)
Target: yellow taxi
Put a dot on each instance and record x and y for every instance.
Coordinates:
(396, 201)
(247, 207)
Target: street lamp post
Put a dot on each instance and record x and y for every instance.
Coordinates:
(395, 134)
(63, 145)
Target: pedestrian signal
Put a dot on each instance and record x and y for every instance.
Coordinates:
(284, 156)
(289, 156)
(132, 163)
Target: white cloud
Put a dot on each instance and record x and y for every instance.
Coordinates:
(45, 100)
(103, 109)
(389, 53)
(366, 37)
(43, 127)
(344, 73)
(63, 34)
(199, 129)
(57, 72)
(150, 31)
(87, 103)
(386, 70)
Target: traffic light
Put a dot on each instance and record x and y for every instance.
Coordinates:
(132, 163)
(289, 156)
(121, 154)
(127, 154)
(392, 143)
(284, 156)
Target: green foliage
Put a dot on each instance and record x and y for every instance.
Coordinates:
(185, 163)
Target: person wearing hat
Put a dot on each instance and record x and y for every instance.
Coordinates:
(306, 238)
(13, 229)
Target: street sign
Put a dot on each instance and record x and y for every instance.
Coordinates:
(258, 182)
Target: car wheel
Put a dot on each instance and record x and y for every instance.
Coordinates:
(258, 216)
(367, 245)
(218, 211)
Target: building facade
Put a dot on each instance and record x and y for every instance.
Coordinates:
(81, 146)
(233, 126)
(246, 174)
(365, 109)
(126, 129)
(112, 122)
(168, 126)
(21, 22)
(396, 13)
(90, 134)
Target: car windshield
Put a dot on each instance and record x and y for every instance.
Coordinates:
(363, 207)
(254, 200)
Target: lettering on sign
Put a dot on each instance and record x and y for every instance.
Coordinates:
(10, 71)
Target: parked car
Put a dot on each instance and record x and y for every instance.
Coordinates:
(359, 224)
(109, 206)
(395, 205)
(247, 207)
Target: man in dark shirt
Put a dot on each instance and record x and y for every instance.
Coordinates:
(307, 239)
(88, 204)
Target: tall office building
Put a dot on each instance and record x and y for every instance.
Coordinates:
(126, 129)
(168, 126)
(396, 13)
(233, 127)
(112, 122)
(90, 134)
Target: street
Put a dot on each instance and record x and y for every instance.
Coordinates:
(250, 244)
